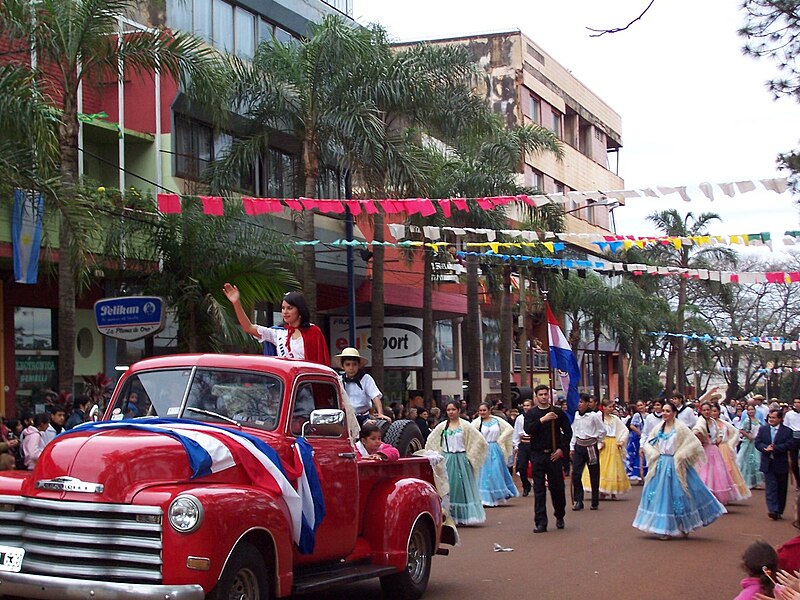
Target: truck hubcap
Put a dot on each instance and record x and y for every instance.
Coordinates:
(417, 555)
(245, 586)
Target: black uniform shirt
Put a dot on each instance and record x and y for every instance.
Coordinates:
(542, 433)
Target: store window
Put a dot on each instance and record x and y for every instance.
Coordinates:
(35, 357)
(444, 359)
(491, 346)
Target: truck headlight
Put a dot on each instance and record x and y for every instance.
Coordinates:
(185, 514)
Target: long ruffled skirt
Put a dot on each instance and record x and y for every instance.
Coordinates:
(715, 475)
(465, 499)
(634, 460)
(494, 482)
(613, 478)
(748, 460)
(729, 458)
(667, 509)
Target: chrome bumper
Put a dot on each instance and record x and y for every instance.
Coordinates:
(63, 588)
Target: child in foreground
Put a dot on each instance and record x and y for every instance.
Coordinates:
(370, 446)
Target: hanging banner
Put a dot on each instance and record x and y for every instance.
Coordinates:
(26, 233)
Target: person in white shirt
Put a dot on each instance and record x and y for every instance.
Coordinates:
(762, 410)
(522, 448)
(792, 420)
(360, 387)
(588, 433)
(686, 414)
(651, 421)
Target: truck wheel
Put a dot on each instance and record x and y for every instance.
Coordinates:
(411, 583)
(244, 577)
(405, 436)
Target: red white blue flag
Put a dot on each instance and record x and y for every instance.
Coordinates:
(211, 449)
(563, 359)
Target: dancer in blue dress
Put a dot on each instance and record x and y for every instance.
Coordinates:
(464, 451)
(748, 458)
(674, 499)
(636, 424)
(494, 481)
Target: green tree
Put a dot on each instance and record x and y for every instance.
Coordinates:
(78, 41)
(246, 252)
(310, 90)
(687, 256)
(487, 167)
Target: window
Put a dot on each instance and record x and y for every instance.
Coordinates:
(245, 33)
(534, 109)
(34, 329)
(311, 396)
(555, 123)
(223, 26)
(444, 360)
(203, 18)
(283, 36)
(194, 147)
(281, 174)
(35, 358)
(491, 346)
(265, 30)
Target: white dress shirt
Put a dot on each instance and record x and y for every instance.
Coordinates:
(687, 416)
(792, 420)
(651, 421)
(519, 431)
(588, 425)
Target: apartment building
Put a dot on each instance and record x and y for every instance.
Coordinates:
(524, 84)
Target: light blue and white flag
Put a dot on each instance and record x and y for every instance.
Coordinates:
(26, 234)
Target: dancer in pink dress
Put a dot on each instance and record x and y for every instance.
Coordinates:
(714, 472)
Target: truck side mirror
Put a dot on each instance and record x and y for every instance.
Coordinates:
(325, 422)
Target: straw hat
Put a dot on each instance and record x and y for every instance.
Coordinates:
(351, 353)
(758, 397)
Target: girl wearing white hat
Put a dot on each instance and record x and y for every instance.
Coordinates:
(360, 386)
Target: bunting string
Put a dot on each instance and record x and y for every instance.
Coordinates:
(774, 343)
(171, 203)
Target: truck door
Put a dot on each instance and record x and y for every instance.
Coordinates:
(335, 458)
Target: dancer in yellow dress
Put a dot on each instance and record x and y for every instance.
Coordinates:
(613, 478)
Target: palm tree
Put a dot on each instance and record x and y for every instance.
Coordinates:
(78, 40)
(486, 167)
(671, 223)
(28, 144)
(198, 255)
(309, 90)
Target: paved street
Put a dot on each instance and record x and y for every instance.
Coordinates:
(598, 556)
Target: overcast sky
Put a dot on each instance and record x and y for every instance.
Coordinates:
(693, 108)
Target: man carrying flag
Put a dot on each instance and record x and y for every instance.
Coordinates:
(563, 359)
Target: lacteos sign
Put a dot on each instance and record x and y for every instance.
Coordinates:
(402, 340)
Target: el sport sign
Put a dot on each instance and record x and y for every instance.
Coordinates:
(129, 318)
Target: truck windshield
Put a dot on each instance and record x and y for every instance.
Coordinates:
(217, 395)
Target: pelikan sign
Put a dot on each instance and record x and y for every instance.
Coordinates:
(130, 317)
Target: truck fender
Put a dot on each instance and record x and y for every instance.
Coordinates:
(231, 515)
(392, 509)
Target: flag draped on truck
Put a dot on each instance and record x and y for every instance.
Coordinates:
(211, 449)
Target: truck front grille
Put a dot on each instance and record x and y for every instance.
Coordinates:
(84, 540)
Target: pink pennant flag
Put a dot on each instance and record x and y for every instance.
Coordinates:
(212, 205)
(331, 206)
(411, 206)
(309, 203)
(794, 277)
(461, 204)
(485, 203)
(259, 206)
(524, 198)
(734, 278)
(369, 207)
(293, 204)
(354, 206)
(249, 205)
(390, 207)
(169, 203)
(776, 277)
(446, 209)
(426, 207)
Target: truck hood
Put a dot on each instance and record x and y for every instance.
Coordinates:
(123, 462)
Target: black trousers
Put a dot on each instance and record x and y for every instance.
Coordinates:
(553, 470)
(580, 459)
(523, 458)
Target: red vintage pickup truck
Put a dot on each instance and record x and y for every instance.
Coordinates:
(199, 483)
